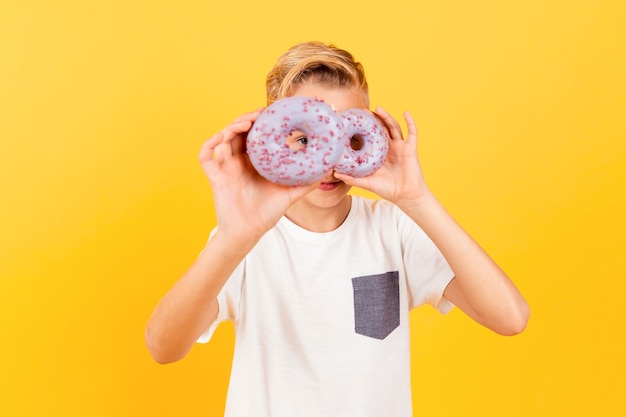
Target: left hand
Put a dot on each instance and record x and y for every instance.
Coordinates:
(400, 179)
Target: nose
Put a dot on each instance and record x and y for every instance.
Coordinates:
(330, 176)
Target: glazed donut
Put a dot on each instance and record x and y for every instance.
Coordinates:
(353, 143)
(272, 157)
(367, 144)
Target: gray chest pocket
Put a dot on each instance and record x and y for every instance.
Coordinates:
(376, 304)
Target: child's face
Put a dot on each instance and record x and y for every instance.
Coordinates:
(331, 191)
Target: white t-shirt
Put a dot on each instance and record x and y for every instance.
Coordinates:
(322, 319)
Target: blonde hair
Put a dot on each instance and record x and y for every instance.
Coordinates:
(314, 61)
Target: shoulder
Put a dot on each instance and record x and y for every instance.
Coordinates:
(381, 217)
(385, 216)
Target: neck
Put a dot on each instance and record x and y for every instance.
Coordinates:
(319, 219)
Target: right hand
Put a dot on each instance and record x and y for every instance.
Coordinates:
(247, 205)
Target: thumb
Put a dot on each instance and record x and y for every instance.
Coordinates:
(366, 183)
(296, 192)
(348, 179)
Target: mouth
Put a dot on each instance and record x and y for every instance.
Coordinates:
(328, 186)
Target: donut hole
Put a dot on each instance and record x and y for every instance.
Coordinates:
(297, 140)
(356, 142)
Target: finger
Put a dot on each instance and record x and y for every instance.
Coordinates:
(208, 147)
(223, 152)
(236, 128)
(392, 124)
(238, 142)
(359, 182)
(411, 128)
(248, 117)
(213, 149)
(245, 121)
(233, 138)
(299, 191)
(240, 126)
(348, 179)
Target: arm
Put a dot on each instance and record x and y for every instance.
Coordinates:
(246, 206)
(480, 288)
(189, 308)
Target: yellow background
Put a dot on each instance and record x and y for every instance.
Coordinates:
(104, 106)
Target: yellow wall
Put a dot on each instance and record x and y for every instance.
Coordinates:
(104, 105)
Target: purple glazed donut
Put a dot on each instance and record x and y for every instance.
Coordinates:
(367, 145)
(272, 157)
(353, 143)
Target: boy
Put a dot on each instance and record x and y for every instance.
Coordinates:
(320, 283)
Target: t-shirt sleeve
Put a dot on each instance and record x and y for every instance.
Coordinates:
(227, 302)
(428, 273)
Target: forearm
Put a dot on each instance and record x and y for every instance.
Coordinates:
(481, 288)
(191, 305)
